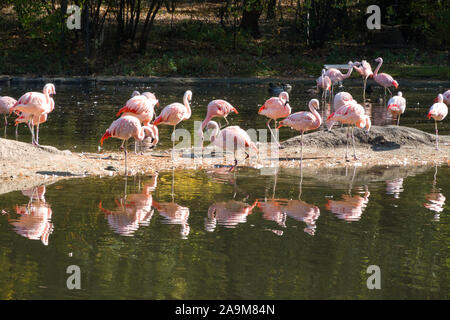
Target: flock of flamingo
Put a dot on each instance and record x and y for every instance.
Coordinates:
(137, 118)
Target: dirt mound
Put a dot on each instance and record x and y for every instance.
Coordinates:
(378, 138)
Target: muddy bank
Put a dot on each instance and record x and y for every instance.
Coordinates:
(23, 165)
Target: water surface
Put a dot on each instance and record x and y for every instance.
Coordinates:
(209, 234)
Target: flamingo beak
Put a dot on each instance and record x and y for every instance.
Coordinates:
(234, 110)
(436, 99)
(261, 109)
(281, 124)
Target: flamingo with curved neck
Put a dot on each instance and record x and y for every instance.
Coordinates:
(127, 127)
(174, 113)
(233, 137)
(304, 121)
(365, 70)
(36, 104)
(383, 79)
(274, 108)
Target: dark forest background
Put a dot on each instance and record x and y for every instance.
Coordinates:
(221, 38)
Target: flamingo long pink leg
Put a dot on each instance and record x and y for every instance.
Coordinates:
(271, 132)
(354, 150)
(437, 135)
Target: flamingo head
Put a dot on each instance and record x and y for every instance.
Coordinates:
(379, 59)
(135, 93)
(49, 88)
(314, 103)
(188, 95)
(284, 96)
(439, 98)
(282, 123)
(261, 109)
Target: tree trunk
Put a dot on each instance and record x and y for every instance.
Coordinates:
(154, 7)
(250, 17)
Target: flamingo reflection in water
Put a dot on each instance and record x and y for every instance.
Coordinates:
(436, 200)
(227, 213)
(350, 208)
(278, 209)
(272, 209)
(133, 210)
(173, 212)
(394, 187)
(34, 222)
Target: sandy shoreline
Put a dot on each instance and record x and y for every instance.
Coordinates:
(23, 165)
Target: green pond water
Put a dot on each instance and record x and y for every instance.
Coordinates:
(83, 113)
(209, 234)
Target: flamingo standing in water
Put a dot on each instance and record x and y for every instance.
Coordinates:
(141, 107)
(352, 114)
(323, 82)
(336, 75)
(274, 108)
(438, 111)
(174, 113)
(6, 103)
(126, 127)
(383, 79)
(217, 108)
(26, 118)
(233, 137)
(397, 106)
(36, 104)
(304, 121)
(365, 70)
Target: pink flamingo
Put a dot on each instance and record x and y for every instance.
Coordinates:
(397, 106)
(126, 127)
(274, 108)
(342, 98)
(140, 107)
(218, 108)
(233, 137)
(438, 111)
(174, 113)
(304, 121)
(365, 70)
(352, 114)
(36, 104)
(336, 75)
(6, 103)
(383, 79)
(229, 214)
(323, 82)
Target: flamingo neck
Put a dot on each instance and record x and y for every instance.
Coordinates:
(375, 73)
(349, 72)
(215, 132)
(316, 114)
(188, 107)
